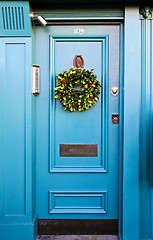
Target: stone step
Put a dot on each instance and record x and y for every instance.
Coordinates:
(77, 237)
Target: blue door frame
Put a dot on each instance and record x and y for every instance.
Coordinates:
(25, 224)
(132, 98)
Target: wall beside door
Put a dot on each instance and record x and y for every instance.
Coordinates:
(18, 219)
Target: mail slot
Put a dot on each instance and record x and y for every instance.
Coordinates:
(78, 150)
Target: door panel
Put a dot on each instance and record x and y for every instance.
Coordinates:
(89, 127)
(86, 186)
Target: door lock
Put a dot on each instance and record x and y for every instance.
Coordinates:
(115, 118)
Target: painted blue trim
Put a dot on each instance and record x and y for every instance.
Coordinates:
(132, 94)
(121, 129)
(146, 131)
(14, 19)
(57, 206)
(151, 122)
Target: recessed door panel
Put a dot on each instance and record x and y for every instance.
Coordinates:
(89, 127)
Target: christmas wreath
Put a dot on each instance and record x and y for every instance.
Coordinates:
(78, 89)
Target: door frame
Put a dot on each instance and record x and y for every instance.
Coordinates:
(131, 126)
(128, 150)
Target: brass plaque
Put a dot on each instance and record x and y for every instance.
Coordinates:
(78, 150)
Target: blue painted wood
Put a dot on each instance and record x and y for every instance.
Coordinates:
(25, 231)
(129, 194)
(121, 129)
(14, 19)
(151, 122)
(33, 109)
(17, 183)
(146, 131)
(132, 93)
(15, 125)
(77, 202)
(61, 127)
(62, 52)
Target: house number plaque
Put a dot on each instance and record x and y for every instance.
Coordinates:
(78, 150)
(78, 31)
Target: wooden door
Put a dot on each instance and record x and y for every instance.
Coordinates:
(77, 187)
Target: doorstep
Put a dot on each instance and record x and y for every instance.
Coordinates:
(77, 237)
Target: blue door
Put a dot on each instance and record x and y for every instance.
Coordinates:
(77, 186)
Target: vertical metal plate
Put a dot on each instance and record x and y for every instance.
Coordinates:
(35, 80)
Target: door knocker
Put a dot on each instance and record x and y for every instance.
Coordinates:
(78, 61)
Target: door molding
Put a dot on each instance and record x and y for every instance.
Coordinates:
(102, 167)
(132, 97)
(81, 15)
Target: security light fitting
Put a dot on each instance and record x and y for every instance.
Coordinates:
(42, 20)
(39, 18)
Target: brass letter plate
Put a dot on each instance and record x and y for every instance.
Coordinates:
(78, 150)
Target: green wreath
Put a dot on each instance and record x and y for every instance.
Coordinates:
(78, 89)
